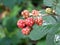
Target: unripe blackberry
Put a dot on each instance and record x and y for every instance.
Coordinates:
(26, 30)
(29, 21)
(49, 10)
(25, 13)
(21, 23)
(39, 21)
(35, 12)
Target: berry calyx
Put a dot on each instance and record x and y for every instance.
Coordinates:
(25, 13)
(21, 23)
(39, 21)
(49, 10)
(29, 21)
(26, 30)
(35, 12)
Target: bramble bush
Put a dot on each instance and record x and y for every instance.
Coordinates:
(29, 22)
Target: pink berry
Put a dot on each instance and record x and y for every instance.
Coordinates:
(25, 13)
(21, 23)
(29, 21)
(26, 30)
(39, 21)
(35, 12)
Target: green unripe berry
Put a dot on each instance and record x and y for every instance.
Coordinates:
(49, 10)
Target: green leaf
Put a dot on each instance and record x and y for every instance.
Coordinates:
(49, 39)
(5, 41)
(39, 32)
(41, 42)
(30, 6)
(19, 1)
(15, 11)
(9, 3)
(51, 35)
(2, 33)
(49, 2)
(57, 8)
(19, 34)
(10, 23)
(49, 19)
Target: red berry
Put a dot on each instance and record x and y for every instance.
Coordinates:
(26, 30)
(25, 13)
(21, 23)
(39, 21)
(29, 21)
(35, 12)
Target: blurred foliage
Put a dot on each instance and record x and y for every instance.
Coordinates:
(10, 34)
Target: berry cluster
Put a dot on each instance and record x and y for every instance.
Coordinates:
(35, 17)
(29, 21)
